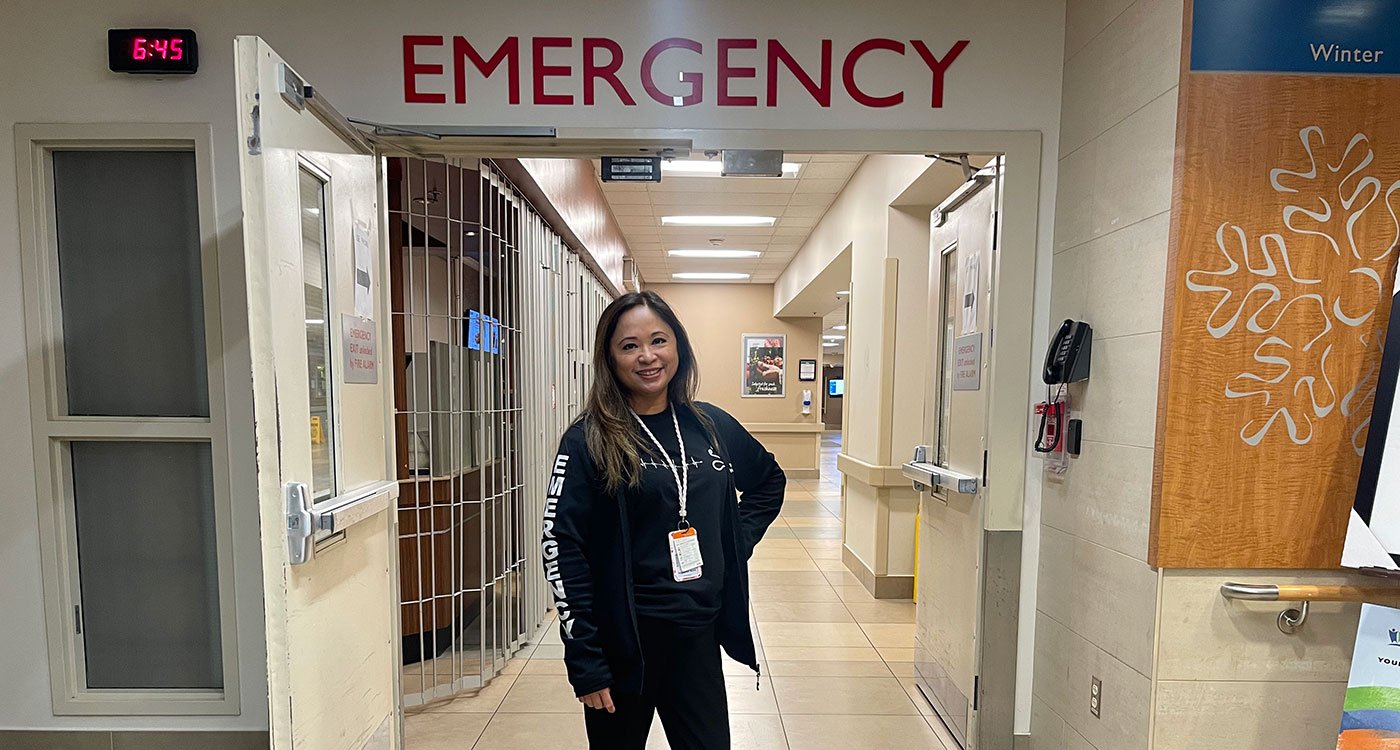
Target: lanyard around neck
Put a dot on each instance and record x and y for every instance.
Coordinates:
(681, 476)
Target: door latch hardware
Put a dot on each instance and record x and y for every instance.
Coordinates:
(301, 526)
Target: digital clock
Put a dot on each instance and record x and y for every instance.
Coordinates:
(168, 51)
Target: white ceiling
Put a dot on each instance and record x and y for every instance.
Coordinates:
(797, 203)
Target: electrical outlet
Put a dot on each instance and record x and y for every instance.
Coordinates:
(1095, 696)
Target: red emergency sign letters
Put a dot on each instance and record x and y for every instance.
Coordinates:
(599, 62)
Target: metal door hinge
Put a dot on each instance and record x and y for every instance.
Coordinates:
(78, 619)
(984, 468)
(976, 692)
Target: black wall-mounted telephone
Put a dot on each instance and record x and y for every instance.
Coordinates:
(1067, 359)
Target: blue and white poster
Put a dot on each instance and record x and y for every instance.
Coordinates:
(1371, 715)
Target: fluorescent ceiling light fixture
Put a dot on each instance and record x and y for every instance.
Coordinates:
(830, 343)
(718, 221)
(315, 322)
(843, 293)
(834, 337)
(713, 252)
(713, 168)
(708, 276)
(838, 328)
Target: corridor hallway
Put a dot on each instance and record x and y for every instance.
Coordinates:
(837, 663)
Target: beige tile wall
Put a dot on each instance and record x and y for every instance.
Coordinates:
(1097, 599)
(1182, 668)
(1228, 677)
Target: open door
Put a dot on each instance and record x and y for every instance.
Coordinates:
(322, 398)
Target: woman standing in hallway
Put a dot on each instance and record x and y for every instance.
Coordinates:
(646, 542)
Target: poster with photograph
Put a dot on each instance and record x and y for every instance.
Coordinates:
(762, 373)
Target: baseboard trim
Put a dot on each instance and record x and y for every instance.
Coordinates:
(11, 739)
(879, 586)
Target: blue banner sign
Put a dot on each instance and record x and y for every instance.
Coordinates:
(1296, 36)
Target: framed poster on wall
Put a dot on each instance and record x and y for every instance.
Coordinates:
(762, 357)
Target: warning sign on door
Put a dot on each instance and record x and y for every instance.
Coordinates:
(967, 363)
(358, 343)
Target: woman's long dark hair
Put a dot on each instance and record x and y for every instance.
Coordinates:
(614, 441)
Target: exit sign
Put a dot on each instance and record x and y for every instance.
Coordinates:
(631, 169)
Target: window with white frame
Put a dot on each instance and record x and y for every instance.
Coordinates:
(129, 423)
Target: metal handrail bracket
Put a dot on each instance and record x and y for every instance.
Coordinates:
(1290, 620)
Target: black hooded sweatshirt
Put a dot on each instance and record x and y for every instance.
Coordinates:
(589, 550)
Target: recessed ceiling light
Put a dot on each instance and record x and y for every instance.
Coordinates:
(843, 293)
(838, 328)
(713, 253)
(713, 168)
(718, 221)
(830, 343)
(834, 337)
(707, 276)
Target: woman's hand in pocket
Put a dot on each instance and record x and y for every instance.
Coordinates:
(601, 700)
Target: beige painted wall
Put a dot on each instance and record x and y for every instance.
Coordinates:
(716, 316)
(889, 283)
(1097, 597)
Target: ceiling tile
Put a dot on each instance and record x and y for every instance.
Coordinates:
(797, 221)
(722, 185)
(708, 196)
(619, 198)
(854, 158)
(808, 212)
(820, 186)
(828, 170)
(624, 209)
(812, 199)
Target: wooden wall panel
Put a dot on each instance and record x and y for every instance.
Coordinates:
(1282, 261)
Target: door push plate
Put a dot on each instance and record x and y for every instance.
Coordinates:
(301, 527)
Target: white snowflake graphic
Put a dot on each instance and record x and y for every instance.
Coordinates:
(1343, 226)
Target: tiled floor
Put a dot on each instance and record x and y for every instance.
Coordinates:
(836, 662)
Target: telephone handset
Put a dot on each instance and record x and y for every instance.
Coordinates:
(1067, 359)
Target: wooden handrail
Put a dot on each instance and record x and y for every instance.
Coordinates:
(1297, 592)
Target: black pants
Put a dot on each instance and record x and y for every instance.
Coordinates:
(684, 684)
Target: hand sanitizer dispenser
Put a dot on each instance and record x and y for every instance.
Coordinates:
(807, 401)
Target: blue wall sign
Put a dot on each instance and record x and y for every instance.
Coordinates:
(1296, 36)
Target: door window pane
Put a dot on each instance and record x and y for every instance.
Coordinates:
(129, 278)
(315, 284)
(147, 563)
(948, 283)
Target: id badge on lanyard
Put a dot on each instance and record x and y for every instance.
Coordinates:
(684, 542)
(686, 563)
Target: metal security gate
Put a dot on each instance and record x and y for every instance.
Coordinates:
(493, 319)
